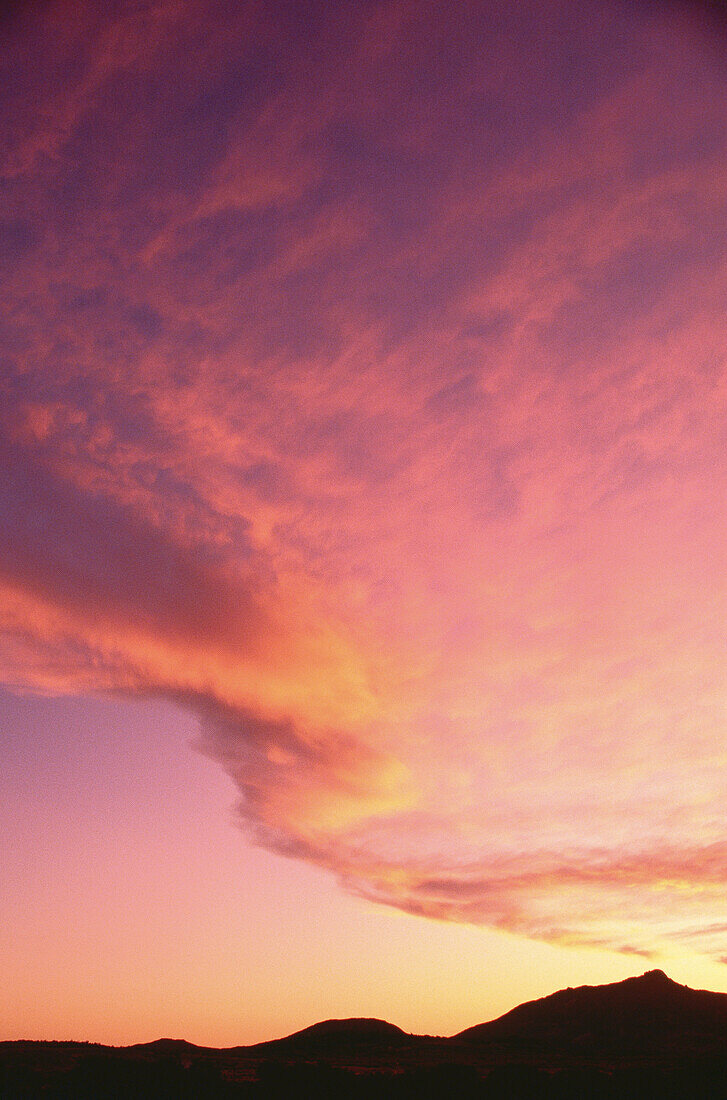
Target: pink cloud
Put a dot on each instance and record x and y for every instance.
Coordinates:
(388, 439)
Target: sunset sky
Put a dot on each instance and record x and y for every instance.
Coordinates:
(363, 550)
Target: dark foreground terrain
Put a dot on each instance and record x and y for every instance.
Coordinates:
(642, 1037)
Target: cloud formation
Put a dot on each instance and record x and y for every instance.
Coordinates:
(363, 391)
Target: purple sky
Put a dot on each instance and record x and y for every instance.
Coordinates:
(362, 478)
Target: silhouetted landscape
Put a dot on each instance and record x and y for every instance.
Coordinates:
(363, 570)
(642, 1037)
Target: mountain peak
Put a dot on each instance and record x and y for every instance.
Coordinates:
(649, 1013)
(654, 976)
(651, 979)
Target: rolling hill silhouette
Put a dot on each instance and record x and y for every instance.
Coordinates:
(355, 1026)
(357, 1032)
(640, 1037)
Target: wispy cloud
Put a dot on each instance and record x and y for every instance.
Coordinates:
(369, 403)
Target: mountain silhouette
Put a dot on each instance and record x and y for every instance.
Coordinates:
(642, 1037)
(650, 1015)
(166, 1046)
(354, 1030)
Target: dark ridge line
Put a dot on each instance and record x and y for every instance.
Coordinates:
(369, 1030)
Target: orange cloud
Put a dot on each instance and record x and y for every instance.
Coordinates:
(379, 422)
